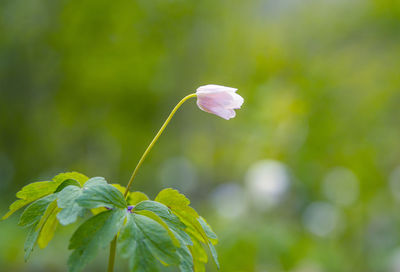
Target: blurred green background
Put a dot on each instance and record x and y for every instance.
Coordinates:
(306, 178)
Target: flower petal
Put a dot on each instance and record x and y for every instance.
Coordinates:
(223, 99)
(211, 88)
(237, 101)
(223, 112)
(219, 100)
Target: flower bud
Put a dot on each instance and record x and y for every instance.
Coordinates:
(219, 100)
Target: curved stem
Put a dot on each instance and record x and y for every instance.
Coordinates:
(113, 244)
(155, 140)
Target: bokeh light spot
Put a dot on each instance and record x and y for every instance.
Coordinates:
(229, 200)
(321, 218)
(341, 186)
(267, 183)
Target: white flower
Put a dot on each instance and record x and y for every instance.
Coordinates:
(219, 100)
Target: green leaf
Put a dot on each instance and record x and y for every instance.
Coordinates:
(144, 240)
(214, 253)
(36, 190)
(161, 210)
(156, 239)
(67, 183)
(213, 239)
(133, 197)
(207, 228)
(98, 210)
(186, 259)
(30, 241)
(172, 198)
(30, 193)
(156, 218)
(199, 256)
(43, 226)
(81, 178)
(131, 245)
(48, 224)
(197, 227)
(97, 193)
(95, 181)
(198, 266)
(198, 252)
(67, 202)
(34, 212)
(119, 187)
(165, 214)
(95, 233)
(128, 238)
(179, 204)
(185, 256)
(136, 197)
(176, 227)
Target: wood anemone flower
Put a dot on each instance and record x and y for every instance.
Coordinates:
(219, 100)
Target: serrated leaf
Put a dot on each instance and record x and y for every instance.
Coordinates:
(136, 197)
(172, 198)
(207, 228)
(214, 253)
(213, 239)
(157, 239)
(165, 214)
(186, 259)
(156, 218)
(179, 204)
(67, 202)
(132, 199)
(67, 183)
(33, 213)
(36, 190)
(197, 227)
(199, 256)
(35, 232)
(81, 178)
(160, 209)
(176, 227)
(49, 225)
(128, 238)
(146, 240)
(198, 252)
(98, 210)
(131, 245)
(30, 193)
(77, 199)
(72, 209)
(97, 193)
(95, 233)
(95, 181)
(185, 256)
(198, 266)
(119, 187)
(30, 241)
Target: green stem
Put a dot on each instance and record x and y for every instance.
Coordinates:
(111, 258)
(155, 140)
(113, 244)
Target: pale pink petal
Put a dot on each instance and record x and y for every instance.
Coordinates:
(236, 102)
(219, 100)
(222, 112)
(210, 88)
(223, 99)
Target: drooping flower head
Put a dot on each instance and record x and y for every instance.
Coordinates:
(219, 100)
